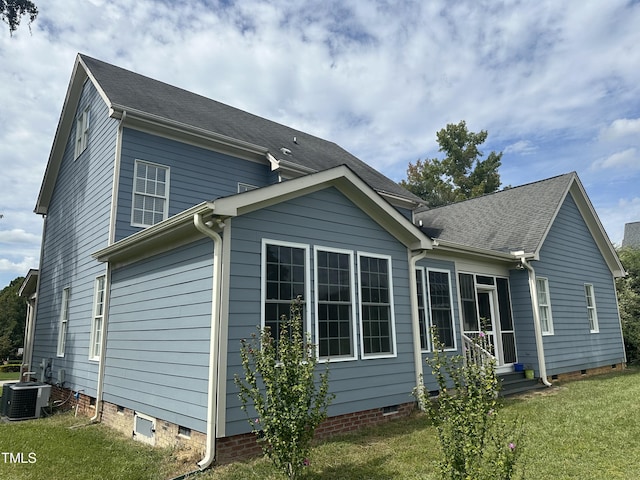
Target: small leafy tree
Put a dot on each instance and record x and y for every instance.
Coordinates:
(476, 442)
(280, 381)
(629, 300)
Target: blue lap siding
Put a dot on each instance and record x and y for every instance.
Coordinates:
(570, 259)
(157, 358)
(325, 219)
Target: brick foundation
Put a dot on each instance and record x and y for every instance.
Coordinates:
(239, 447)
(590, 372)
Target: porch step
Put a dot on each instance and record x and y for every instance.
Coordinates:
(515, 382)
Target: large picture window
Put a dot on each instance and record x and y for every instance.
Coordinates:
(150, 194)
(376, 306)
(285, 279)
(335, 306)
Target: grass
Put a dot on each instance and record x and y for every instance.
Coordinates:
(587, 430)
(9, 375)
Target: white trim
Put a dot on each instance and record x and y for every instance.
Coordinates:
(97, 334)
(590, 294)
(454, 333)
(245, 187)
(165, 213)
(392, 318)
(63, 322)
(307, 277)
(547, 305)
(82, 132)
(143, 438)
(425, 304)
(354, 319)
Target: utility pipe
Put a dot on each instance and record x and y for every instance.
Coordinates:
(103, 346)
(533, 289)
(212, 393)
(415, 319)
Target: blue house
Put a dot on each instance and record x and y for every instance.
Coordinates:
(174, 225)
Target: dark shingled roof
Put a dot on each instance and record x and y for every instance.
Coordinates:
(631, 235)
(130, 90)
(506, 221)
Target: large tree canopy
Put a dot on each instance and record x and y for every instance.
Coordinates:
(13, 310)
(629, 301)
(14, 10)
(461, 174)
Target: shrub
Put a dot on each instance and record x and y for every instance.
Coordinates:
(476, 442)
(280, 382)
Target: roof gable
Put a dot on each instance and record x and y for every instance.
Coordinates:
(140, 101)
(175, 229)
(515, 219)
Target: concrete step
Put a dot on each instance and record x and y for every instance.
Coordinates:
(515, 382)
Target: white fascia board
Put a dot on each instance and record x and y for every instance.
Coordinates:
(146, 121)
(347, 182)
(478, 252)
(175, 227)
(65, 123)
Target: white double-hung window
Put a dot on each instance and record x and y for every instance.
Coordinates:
(63, 323)
(150, 194)
(544, 306)
(82, 133)
(591, 308)
(99, 300)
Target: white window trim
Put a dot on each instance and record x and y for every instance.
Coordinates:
(550, 331)
(425, 302)
(82, 133)
(307, 278)
(394, 347)
(165, 213)
(93, 354)
(63, 323)
(590, 292)
(454, 332)
(354, 319)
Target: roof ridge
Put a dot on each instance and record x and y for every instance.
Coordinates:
(505, 189)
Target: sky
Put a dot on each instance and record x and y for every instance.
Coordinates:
(555, 84)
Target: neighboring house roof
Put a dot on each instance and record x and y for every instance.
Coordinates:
(148, 101)
(631, 235)
(514, 219)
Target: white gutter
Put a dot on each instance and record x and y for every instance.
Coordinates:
(212, 393)
(533, 289)
(415, 320)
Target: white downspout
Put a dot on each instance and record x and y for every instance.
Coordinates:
(103, 346)
(212, 393)
(533, 289)
(415, 318)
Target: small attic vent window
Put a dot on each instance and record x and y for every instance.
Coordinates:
(285, 150)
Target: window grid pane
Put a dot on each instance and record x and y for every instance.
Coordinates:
(422, 313)
(376, 307)
(441, 316)
(334, 304)
(150, 194)
(284, 282)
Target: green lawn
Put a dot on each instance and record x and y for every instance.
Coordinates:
(9, 375)
(588, 429)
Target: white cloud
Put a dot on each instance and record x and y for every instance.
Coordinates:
(626, 128)
(521, 147)
(17, 235)
(19, 268)
(627, 159)
(614, 217)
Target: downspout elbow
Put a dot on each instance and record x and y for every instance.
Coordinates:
(212, 393)
(542, 366)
